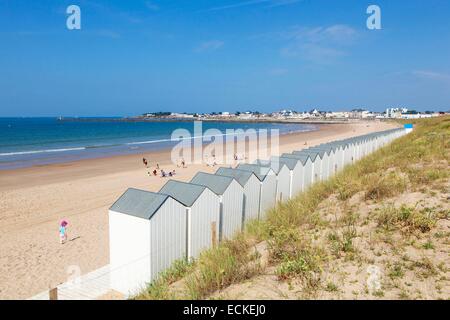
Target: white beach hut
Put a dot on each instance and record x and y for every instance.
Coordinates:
(147, 233)
(202, 213)
(268, 180)
(231, 197)
(348, 150)
(354, 149)
(318, 163)
(307, 170)
(327, 156)
(283, 178)
(252, 190)
(295, 169)
(338, 157)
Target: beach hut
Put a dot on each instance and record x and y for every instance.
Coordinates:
(339, 148)
(202, 214)
(252, 190)
(296, 173)
(347, 156)
(338, 157)
(326, 153)
(353, 149)
(231, 198)
(147, 233)
(283, 178)
(308, 168)
(268, 182)
(318, 163)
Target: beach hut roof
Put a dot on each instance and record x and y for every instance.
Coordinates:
(320, 151)
(303, 158)
(260, 172)
(276, 167)
(186, 193)
(139, 203)
(217, 184)
(289, 162)
(329, 146)
(322, 148)
(312, 154)
(241, 176)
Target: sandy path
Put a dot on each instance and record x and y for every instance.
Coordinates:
(34, 200)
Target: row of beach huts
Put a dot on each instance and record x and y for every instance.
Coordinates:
(149, 231)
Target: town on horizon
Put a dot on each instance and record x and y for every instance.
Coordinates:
(360, 113)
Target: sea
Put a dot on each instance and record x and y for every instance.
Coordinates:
(26, 142)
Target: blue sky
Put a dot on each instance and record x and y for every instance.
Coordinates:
(132, 57)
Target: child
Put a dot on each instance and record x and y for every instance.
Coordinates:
(63, 231)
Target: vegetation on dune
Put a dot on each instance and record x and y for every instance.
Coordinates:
(311, 232)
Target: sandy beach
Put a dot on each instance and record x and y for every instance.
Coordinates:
(34, 200)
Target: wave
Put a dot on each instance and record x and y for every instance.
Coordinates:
(41, 151)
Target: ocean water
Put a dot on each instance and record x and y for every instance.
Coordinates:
(28, 142)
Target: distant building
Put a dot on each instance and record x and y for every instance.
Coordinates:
(395, 112)
(246, 115)
(337, 115)
(181, 115)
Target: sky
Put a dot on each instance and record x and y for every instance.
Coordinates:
(137, 56)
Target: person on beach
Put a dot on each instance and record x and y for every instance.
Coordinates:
(144, 161)
(155, 173)
(63, 231)
(163, 174)
(157, 166)
(183, 163)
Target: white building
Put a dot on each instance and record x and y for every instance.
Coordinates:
(231, 196)
(283, 178)
(318, 164)
(308, 168)
(147, 233)
(328, 160)
(252, 190)
(202, 212)
(268, 181)
(296, 173)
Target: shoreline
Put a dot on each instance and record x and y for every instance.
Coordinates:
(219, 119)
(35, 199)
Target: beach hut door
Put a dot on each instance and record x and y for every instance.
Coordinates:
(188, 234)
(244, 201)
(220, 220)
